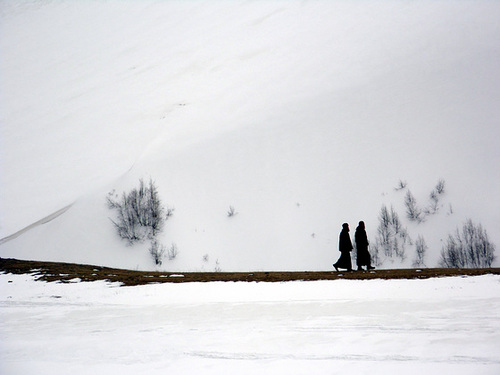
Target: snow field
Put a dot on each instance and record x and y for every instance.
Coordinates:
(436, 326)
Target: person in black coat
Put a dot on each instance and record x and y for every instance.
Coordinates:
(345, 248)
(362, 254)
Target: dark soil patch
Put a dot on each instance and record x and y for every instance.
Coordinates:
(64, 272)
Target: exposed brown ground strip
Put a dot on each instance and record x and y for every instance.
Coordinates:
(63, 272)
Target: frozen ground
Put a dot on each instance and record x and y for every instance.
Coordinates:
(434, 326)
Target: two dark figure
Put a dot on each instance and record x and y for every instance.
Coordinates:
(345, 248)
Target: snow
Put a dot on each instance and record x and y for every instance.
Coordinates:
(301, 115)
(433, 326)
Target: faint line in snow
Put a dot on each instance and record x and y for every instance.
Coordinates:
(346, 357)
(45, 220)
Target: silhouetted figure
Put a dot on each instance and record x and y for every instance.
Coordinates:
(345, 248)
(362, 255)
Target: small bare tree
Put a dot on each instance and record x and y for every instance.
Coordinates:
(384, 230)
(392, 237)
(420, 251)
(140, 213)
(401, 185)
(217, 266)
(231, 211)
(157, 251)
(172, 252)
(434, 198)
(440, 187)
(434, 203)
(470, 248)
(413, 212)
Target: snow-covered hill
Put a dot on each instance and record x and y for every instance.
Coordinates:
(300, 115)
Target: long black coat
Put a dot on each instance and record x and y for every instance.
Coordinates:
(345, 244)
(362, 256)
(345, 247)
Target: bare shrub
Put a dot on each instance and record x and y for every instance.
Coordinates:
(421, 248)
(469, 248)
(392, 237)
(169, 212)
(231, 211)
(434, 198)
(157, 251)
(140, 213)
(384, 230)
(413, 212)
(434, 203)
(217, 266)
(401, 185)
(440, 187)
(172, 252)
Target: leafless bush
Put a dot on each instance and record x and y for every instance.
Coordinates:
(401, 185)
(421, 248)
(231, 211)
(392, 237)
(440, 187)
(413, 212)
(217, 266)
(140, 213)
(469, 248)
(157, 251)
(172, 252)
(169, 212)
(434, 198)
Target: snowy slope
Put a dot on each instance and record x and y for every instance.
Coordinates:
(301, 115)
